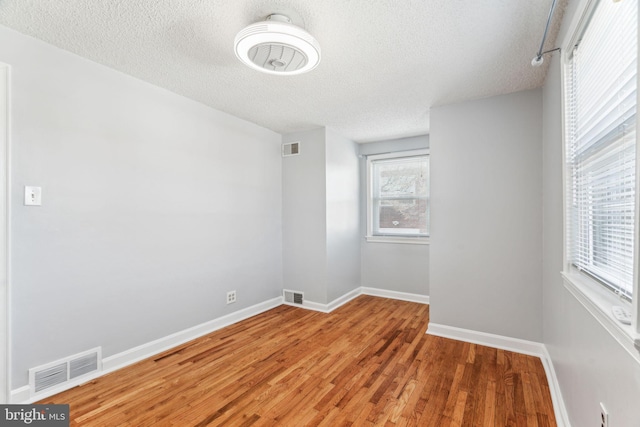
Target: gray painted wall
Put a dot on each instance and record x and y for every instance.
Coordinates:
(321, 216)
(486, 219)
(591, 366)
(304, 226)
(153, 207)
(343, 215)
(392, 266)
(396, 267)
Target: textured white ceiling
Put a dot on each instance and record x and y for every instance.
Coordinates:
(384, 62)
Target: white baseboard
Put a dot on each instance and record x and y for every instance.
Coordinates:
(531, 348)
(20, 395)
(339, 302)
(328, 308)
(310, 305)
(141, 352)
(403, 296)
(136, 354)
(562, 416)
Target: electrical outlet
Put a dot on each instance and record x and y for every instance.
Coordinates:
(604, 416)
(231, 297)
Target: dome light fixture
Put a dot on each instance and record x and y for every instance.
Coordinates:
(276, 46)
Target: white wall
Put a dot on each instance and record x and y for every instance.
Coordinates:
(320, 190)
(343, 215)
(392, 266)
(304, 216)
(486, 225)
(153, 207)
(4, 228)
(591, 366)
(396, 267)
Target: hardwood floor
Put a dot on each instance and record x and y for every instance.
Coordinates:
(367, 363)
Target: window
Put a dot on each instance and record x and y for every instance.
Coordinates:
(601, 81)
(398, 197)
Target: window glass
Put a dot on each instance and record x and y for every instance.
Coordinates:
(399, 201)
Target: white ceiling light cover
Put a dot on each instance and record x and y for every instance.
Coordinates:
(276, 46)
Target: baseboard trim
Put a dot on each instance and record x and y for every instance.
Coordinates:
(531, 348)
(375, 292)
(562, 416)
(136, 354)
(328, 308)
(144, 351)
(403, 296)
(20, 395)
(339, 302)
(310, 305)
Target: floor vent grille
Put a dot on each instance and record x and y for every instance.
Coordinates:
(83, 365)
(293, 297)
(50, 377)
(62, 371)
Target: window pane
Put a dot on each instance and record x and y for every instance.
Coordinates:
(402, 216)
(400, 191)
(401, 177)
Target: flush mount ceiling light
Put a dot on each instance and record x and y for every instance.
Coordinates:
(276, 46)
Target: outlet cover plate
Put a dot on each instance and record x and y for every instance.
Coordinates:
(231, 297)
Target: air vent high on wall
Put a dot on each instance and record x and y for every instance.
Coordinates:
(290, 149)
(64, 372)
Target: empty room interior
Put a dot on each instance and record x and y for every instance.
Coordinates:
(297, 212)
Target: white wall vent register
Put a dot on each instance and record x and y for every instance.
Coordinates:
(64, 371)
(49, 377)
(290, 149)
(293, 297)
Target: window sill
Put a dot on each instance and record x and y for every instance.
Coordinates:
(598, 303)
(398, 239)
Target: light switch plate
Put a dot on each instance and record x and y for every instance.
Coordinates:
(32, 196)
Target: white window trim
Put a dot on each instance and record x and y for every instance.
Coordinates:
(597, 300)
(398, 239)
(370, 237)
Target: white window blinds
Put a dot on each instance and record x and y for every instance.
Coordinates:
(601, 152)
